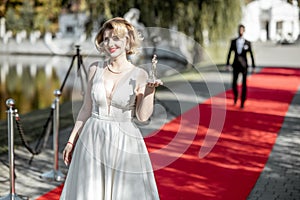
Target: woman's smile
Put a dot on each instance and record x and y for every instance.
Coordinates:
(112, 50)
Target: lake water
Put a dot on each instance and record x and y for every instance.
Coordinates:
(31, 80)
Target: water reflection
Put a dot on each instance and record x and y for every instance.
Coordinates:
(31, 80)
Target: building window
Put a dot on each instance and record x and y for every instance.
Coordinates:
(70, 30)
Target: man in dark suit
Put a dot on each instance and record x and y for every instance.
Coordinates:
(241, 47)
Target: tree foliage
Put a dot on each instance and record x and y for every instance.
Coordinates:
(217, 17)
(27, 16)
(31, 14)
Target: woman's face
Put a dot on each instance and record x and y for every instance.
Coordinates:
(113, 45)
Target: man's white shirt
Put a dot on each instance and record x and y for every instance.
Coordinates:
(239, 44)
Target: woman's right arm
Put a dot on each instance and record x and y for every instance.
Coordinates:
(83, 115)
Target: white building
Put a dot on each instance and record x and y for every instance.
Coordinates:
(72, 24)
(274, 20)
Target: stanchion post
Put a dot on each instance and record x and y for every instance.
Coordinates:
(10, 127)
(57, 94)
(55, 174)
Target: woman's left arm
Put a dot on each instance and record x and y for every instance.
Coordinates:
(145, 97)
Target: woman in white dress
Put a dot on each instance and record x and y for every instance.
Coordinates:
(106, 153)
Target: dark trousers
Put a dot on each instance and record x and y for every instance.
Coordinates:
(244, 85)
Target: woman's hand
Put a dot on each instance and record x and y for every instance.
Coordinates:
(150, 87)
(67, 153)
(156, 83)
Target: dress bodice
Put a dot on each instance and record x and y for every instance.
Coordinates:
(122, 100)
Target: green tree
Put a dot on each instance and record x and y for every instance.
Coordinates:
(32, 14)
(219, 17)
(12, 20)
(27, 16)
(2, 7)
(46, 15)
(193, 17)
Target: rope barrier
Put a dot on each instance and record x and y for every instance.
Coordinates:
(45, 134)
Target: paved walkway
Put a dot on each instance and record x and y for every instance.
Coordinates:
(281, 176)
(279, 180)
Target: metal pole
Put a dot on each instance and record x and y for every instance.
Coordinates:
(10, 127)
(55, 174)
(57, 94)
(78, 56)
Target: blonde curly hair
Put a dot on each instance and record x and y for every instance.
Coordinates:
(121, 28)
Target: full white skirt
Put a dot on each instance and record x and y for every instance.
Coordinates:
(110, 162)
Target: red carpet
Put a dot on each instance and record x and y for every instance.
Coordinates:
(230, 161)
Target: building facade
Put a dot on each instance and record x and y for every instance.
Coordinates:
(274, 20)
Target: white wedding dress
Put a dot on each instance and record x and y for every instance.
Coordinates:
(110, 160)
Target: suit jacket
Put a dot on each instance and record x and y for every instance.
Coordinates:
(240, 60)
